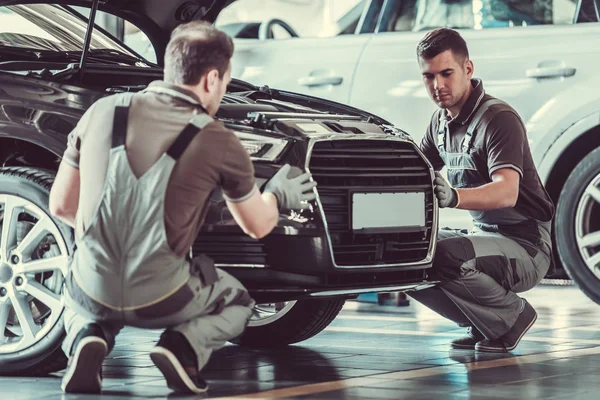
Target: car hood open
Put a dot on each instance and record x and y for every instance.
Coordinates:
(157, 18)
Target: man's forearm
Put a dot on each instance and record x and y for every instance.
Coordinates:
(265, 217)
(491, 196)
(64, 194)
(67, 219)
(64, 211)
(271, 202)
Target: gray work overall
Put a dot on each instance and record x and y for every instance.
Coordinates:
(481, 272)
(123, 271)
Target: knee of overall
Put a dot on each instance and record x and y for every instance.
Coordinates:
(231, 292)
(452, 256)
(228, 280)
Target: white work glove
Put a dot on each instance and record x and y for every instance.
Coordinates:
(447, 196)
(292, 188)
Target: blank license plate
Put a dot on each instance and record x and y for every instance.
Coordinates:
(388, 210)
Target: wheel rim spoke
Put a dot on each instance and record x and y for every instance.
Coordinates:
(586, 226)
(9, 226)
(590, 240)
(41, 293)
(47, 222)
(31, 309)
(33, 237)
(25, 317)
(256, 313)
(45, 264)
(593, 263)
(594, 192)
(4, 312)
(264, 314)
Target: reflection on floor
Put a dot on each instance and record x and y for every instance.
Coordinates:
(373, 352)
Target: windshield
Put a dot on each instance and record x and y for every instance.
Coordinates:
(51, 28)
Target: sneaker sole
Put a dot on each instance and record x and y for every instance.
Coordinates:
(83, 375)
(463, 346)
(484, 349)
(507, 349)
(177, 379)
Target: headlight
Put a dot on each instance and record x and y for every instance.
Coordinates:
(260, 147)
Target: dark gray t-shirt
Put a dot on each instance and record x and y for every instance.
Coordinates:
(499, 142)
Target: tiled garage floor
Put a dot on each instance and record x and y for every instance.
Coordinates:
(373, 352)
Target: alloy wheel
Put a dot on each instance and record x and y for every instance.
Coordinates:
(587, 226)
(33, 264)
(267, 313)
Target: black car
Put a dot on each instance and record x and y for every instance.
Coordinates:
(372, 228)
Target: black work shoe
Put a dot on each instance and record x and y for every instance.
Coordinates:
(510, 339)
(172, 354)
(468, 341)
(83, 374)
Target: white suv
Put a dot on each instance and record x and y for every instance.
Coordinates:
(540, 56)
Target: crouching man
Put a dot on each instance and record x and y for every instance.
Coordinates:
(483, 144)
(135, 183)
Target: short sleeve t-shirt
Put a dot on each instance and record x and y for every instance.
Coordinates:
(499, 142)
(215, 157)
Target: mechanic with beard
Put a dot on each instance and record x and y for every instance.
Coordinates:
(483, 144)
(135, 183)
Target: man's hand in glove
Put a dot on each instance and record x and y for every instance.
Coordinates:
(292, 188)
(447, 196)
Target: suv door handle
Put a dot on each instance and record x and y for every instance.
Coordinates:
(551, 69)
(312, 81)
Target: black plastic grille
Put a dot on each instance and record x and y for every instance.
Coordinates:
(343, 166)
(230, 249)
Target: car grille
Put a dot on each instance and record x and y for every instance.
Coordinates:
(343, 166)
(230, 249)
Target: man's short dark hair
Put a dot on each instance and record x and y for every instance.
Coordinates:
(439, 40)
(195, 49)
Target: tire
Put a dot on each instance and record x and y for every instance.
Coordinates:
(305, 319)
(577, 215)
(44, 355)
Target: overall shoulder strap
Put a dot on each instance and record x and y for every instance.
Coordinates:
(440, 140)
(196, 124)
(119, 131)
(477, 118)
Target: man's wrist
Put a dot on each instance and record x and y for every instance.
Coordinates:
(456, 199)
(270, 197)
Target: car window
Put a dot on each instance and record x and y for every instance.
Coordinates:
(137, 40)
(249, 19)
(48, 27)
(589, 11)
(422, 15)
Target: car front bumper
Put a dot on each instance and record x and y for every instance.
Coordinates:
(293, 263)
